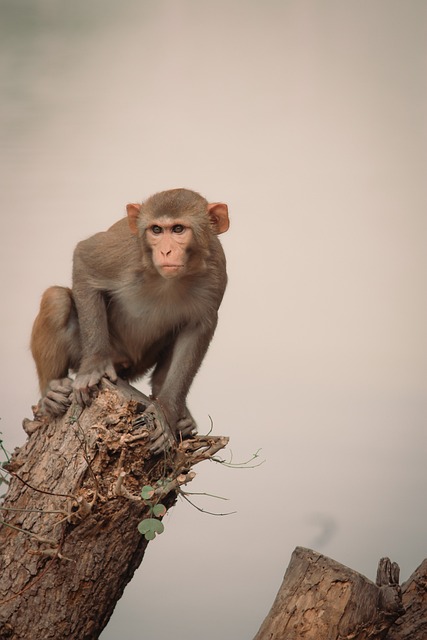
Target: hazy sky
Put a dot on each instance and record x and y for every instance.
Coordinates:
(309, 119)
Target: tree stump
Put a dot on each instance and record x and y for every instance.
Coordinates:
(412, 625)
(69, 543)
(69, 539)
(321, 599)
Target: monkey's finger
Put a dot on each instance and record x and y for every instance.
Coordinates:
(161, 444)
(55, 403)
(155, 420)
(161, 436)
(110, 373)
(93, 380)
(186, 427)
(64, 390)
(78, 397)
(82, 396)
(63, 386)
(58, 398)
(157, 434)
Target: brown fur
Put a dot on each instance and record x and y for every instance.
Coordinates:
(138, 301)
(54, 340)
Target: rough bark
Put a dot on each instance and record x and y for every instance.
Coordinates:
(321, 599)
(71, 543)
(412, 625)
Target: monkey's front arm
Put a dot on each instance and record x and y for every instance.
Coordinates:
(171, 415)
(96, 361)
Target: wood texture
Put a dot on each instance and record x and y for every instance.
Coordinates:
(69, 543)
(412, 625)
(321, 599)
(73, 506)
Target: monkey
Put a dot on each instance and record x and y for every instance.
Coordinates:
(144, 299)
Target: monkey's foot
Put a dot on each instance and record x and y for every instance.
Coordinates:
(161, 435)
(57, 398)
(30, 426)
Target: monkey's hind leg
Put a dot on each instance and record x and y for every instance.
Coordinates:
(55, 346)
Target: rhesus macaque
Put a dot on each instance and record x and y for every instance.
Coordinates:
(145, 295)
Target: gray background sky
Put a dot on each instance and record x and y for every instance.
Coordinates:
(309, 119)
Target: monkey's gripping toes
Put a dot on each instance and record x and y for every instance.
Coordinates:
(161, 435)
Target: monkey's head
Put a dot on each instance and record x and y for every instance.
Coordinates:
(176, 229)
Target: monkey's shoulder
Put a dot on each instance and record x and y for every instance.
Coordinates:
(120, 227)
(118, 234)
(107, 251)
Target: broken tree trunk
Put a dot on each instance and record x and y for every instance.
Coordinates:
(412, 625)
(69, 541)
(321, 599)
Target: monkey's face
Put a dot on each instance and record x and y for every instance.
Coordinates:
(170, 240)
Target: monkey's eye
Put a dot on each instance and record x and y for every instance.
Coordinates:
(156, 229)
(178, 228)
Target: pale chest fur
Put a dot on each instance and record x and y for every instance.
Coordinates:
(141, 314)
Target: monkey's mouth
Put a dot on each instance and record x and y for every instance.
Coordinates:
(171, 266)
(170, 270)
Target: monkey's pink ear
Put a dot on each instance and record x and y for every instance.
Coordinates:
(218, 213)
(133, 213)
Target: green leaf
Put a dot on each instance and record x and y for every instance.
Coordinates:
(159, 510)
(150, 527)
(159, 526)
(147, 492)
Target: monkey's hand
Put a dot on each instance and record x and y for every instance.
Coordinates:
(85, 385)
(162, 435)
(186, 426)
